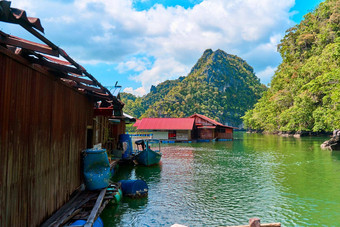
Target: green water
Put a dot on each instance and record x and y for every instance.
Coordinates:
(277, 179)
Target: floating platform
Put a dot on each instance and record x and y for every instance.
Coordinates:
(84, 205)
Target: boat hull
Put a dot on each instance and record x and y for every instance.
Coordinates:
(148, 157)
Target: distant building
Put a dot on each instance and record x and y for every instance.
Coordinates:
(208, 129)
(196, 127)
(179, 129)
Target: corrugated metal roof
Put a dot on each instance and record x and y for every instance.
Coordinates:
(137, 123)
(165, 124)
(68, 71)
(209, 120)
(18, 16)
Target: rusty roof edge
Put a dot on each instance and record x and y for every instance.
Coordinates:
(17, 16)
(25, 22)
(68, 58)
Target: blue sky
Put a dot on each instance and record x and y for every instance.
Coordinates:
(140, 43)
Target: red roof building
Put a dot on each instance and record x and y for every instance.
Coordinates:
(209, 129)
(166, 124)
(196, 127)
(179, 129)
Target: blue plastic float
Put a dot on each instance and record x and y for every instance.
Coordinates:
(134, 188)
(125, 139)
(96, 169)
(97, 223)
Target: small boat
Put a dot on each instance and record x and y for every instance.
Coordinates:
(145, 155)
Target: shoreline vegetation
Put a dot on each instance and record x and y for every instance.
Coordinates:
(304, 94)
(296, 134)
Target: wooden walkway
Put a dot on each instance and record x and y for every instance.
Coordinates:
(84, 205)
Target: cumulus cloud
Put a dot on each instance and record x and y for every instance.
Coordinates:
(162, 69)
(267, 73)
(100, 31)
(135, 64)
(138, 91)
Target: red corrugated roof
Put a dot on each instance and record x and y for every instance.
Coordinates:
(137, 123)
(67, 71)
(18, 16)
(166, 124)
(209, 120)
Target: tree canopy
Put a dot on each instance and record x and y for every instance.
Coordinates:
(304, 94)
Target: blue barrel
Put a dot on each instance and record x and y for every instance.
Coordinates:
(97, 223)
(126, 142)
(96, 169)
(134, 188)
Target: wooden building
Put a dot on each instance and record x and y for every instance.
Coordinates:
(46, 120)
(196, 127)
(209, 129)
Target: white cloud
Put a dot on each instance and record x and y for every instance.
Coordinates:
(267, 74)
(138, 92)
(162, 69)
(135, 64)
(114, 32)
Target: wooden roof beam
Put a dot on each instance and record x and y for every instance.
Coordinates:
(77, 79)
(22, 43)
(55, 66)
(89, 88)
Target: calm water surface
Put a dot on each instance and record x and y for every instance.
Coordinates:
(277, 179)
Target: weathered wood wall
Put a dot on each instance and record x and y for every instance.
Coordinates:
(227, 134)
(219, 132)
(42, 133)
(206, 134)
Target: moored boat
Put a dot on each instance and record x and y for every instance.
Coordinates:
(147, 153)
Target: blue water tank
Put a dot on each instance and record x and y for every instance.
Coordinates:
(97, 223)
(96, 169)
(126, 142)
(134, 188)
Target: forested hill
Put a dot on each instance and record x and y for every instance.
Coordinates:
(305, 92)
(220, 86)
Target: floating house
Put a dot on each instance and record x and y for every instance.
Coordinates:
(206, 128)
(50, 111)
(196, 127)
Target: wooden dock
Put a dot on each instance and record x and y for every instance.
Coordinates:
(84, 205)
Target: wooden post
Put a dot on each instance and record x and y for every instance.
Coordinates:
(95, 209)
(254, 222)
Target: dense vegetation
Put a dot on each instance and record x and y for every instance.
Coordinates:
(305, 90)
(220, 86)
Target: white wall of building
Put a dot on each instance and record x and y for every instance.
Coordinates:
(183, 135)
(160, 135)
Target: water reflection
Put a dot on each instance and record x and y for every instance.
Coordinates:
(278, 179)
(150, 174)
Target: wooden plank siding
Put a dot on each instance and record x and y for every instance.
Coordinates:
(219, 132)
(206, 134)
(228, 134)
(42, 133)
